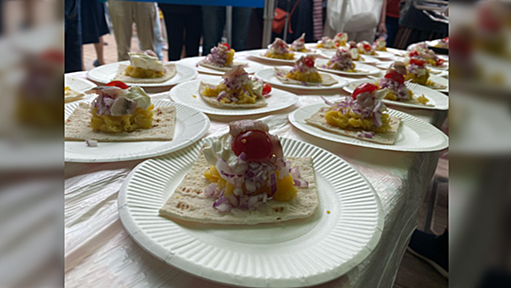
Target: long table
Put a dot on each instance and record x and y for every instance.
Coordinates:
(100, 253)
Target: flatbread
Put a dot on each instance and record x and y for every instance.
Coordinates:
(215, 67)
(170, 71)
(261, 102)
(189, 203)
(327, 79)
(317, 119)
(71, 95)
(77, 127)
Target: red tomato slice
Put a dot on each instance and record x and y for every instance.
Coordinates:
(417, 62)
(119, 84)
(364, 87)
(227, 45)
(396, 76)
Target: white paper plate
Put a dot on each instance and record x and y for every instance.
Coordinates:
(79, 85)
(191, 125)
(365, 59)
(312, 52)
(259, 55)
(268, 75)
(193, 62)
(184, 92)
(397, 52)
(439, 100)
(295, 253)
(414, 135)
(361, 69)
(382, 55)
(105, 74)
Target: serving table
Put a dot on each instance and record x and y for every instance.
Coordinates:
(100, 253)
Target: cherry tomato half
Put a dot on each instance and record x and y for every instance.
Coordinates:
(439, 62)
(417, 62)
(367, 47)
(414, 53)
(396, 76)
(255, 144)
(364, 87)
(119, 84)
(266, 89)
(227, 45)
(309, 62)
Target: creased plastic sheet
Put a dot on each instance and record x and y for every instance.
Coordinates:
(100, 253)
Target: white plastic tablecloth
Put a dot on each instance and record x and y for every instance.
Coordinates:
(100, 253)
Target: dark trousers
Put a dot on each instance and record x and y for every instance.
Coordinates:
(213, 21)
(392, 24)
(184, 26)
(73, 36)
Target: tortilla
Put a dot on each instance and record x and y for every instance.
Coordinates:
(215, 67)
(189, 203)
(77, 127)
(170, 71)
(389, 138)
(327, 79)
(71, 95)
(261, 102)
(434, 85)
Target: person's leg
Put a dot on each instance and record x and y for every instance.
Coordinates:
(392, 24)
(174, 23)
(240, 23)
(433, 249)
(193, 32)
(122, 22)
(213, 22)
(158, 40)
(145, 15)
(73, 37)
(99, 51)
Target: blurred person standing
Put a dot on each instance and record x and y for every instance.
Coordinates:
(304, 17)
(361, 17)
(419, 25)
(73, 36)
(213, 22)
(389, 21)
(184, 27)
(123, 14)
(94, 27)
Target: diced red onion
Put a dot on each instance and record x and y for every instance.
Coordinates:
(295, 172)
(222, 205)
(233, 200)
(91, 143)
(211, 189)
(300, 183)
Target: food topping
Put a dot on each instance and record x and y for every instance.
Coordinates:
(221, 55)
(342, 60)
(364, 110)
(146, 60)
(299, 44)
(248, 168)
(114, 101)
(279, 47)
(326, 42)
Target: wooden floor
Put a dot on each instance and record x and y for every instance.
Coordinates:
(413, 272)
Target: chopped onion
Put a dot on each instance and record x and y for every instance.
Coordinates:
(91, 143)
(273, 184)
(222, 205)
(300, 183)
(233, 200)
(243, 156)
(211, 189)
(295, 172)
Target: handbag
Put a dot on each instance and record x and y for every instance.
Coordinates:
(279, 19)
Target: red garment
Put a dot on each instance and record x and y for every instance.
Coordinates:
(393, 8)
